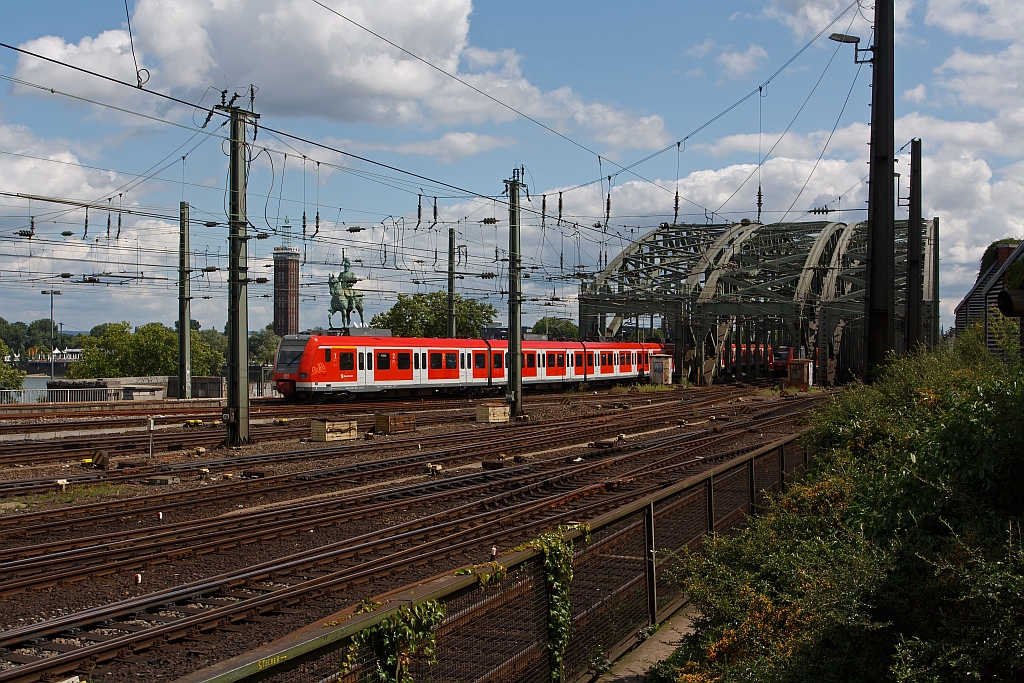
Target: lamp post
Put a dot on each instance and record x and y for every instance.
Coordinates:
(52, 293)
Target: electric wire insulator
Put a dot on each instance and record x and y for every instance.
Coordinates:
(86, 233)
(559, 208)
(303, 225)
(543, 208)
(675, 218)
(419, 210)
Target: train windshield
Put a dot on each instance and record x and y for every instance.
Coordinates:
(289, 353)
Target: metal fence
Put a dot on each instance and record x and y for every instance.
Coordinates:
(499, 634)
(105, 394)
(28, 396)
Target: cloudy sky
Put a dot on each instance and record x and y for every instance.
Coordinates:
(617, 81)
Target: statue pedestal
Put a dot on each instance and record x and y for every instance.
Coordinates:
(359, 332)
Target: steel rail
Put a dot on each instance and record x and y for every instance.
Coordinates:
(32, 523)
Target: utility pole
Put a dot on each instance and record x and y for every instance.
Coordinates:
(51, 292)
(451, 283)
(935, 281)
(184, 306)
(515, 312)
(880, 315)
(236, 413)
(915, 295)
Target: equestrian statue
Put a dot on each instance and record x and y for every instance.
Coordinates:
(343, 297)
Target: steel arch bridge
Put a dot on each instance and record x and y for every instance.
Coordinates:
(718, 287)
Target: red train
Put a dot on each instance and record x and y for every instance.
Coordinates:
(314, 367)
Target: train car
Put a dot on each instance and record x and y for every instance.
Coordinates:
(315, 367)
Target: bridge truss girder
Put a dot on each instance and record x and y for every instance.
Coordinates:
(746, 283)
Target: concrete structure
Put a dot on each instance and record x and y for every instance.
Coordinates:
(286, 290)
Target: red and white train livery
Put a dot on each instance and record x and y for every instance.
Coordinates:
(312, 367)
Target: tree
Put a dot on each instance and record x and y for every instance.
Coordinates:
(263, 345)
(151, 350)
(102, 354)
(206, 360)
(557, 328)
(426, 315)
(10, 378)
(215, 340)
(38, 334)
(14, 335)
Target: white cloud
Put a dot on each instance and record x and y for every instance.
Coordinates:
(917, 94)
(806, 17)
(449, 148)
(992, 81)
(37, 176)
(991, 19)
(702, 49)
(311, 63)
(741, 65)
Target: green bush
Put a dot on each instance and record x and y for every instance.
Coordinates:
(898, 558)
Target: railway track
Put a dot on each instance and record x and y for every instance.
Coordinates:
(536, 495)
(75, 445)
(444, 449)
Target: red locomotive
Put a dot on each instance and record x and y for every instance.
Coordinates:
(314, 367)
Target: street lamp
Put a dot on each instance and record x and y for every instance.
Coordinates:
(855, 41)
(52, 293)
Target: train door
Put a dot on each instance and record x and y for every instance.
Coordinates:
(479, 364)
(626, 362)
(498, 364)
(529, 363)
(346, 365)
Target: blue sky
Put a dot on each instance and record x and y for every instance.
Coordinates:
(620, 79)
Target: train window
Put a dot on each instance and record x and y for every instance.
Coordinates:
(436, 361)
(451, 362)
(404, 361)
(347, 360)
(289, 355)
(423, 360)
(369, 360)
(530, 360)
(506, 359)
(384, 361)
(480, 360)
(361, 364)
(542, 357)
(416, 360)
(561, 361)
(579, 360)
(327, 355)
(462, 361)
(497, 361)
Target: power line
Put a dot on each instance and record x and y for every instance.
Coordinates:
(716, 117)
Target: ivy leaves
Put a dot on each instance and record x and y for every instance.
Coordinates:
(407, 633)
(558, 572)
